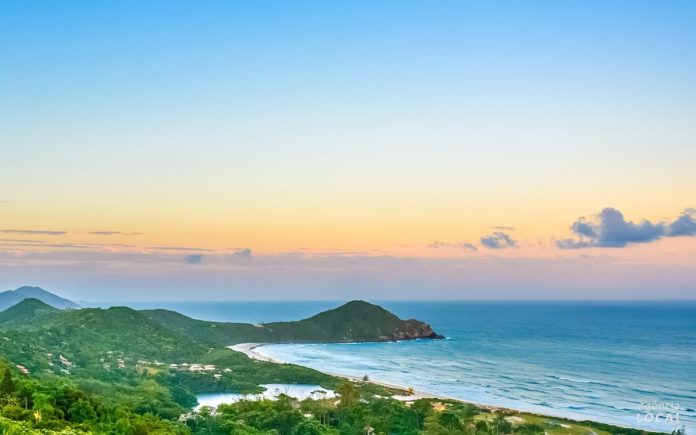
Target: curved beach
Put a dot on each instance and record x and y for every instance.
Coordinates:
(257, 351)
(250, 350)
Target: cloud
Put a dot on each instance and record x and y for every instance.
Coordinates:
(502, 228)
(498, 240)
(685, 225)
(194, 259)
(572, 244)
(113, 233)
(42, 245)
(467, 245)
(130, 276)
(43, 232)
(245, 253)
(609, 229)
(22, 241)
(178, 248)
(461, 245)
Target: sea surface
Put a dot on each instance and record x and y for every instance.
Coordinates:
(614, 362)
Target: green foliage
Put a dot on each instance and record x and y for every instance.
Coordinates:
(349, 395)
(26, 311)
(7, 385)
(530, 429)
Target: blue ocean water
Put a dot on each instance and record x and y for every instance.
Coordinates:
(615, 362)
(602, 361)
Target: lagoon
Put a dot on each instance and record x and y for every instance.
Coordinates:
(297, 391)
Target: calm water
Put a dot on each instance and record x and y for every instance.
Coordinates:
(583, 360)
(298, 391)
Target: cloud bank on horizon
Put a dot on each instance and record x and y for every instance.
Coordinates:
(501, 267)
(297, 275)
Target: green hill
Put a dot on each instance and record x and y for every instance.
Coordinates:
(123, 345)
(109, 343)
(356, 321)
(26, 313)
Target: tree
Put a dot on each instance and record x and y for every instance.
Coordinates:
(432, 426)
(503, 426)
(349, 395)
(450, 421)
(310, 427)
(481, 427)
(82, 411)
(7, 385)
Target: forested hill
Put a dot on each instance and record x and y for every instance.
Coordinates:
(121, 361)
(356, 321)
(96, 337)
(12, 297)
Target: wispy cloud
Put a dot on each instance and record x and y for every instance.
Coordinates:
(194, 259)
(113, 233)
(437, 244)
(138, 275)
(245, 253)
(178, 248)
(609, 229)
(43, 232)
(22, 241)
(43, 245)
(469, 246)
(498, 240)
(502, 228)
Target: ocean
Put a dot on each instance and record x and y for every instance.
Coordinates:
(623, 363)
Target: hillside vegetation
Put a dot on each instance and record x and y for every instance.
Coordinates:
(356, 321)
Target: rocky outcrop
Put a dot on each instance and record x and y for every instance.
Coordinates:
(414, 330)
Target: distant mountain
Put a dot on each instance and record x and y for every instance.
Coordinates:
(355, 321)
(13, 297)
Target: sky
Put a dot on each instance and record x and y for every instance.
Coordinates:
(225, 150)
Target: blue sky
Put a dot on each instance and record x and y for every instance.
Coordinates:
(376, 129)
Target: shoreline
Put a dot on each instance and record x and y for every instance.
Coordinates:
(249, 349)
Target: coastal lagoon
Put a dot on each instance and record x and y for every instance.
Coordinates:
(298, 391)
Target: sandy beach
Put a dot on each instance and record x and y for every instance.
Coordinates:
(249, 349)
